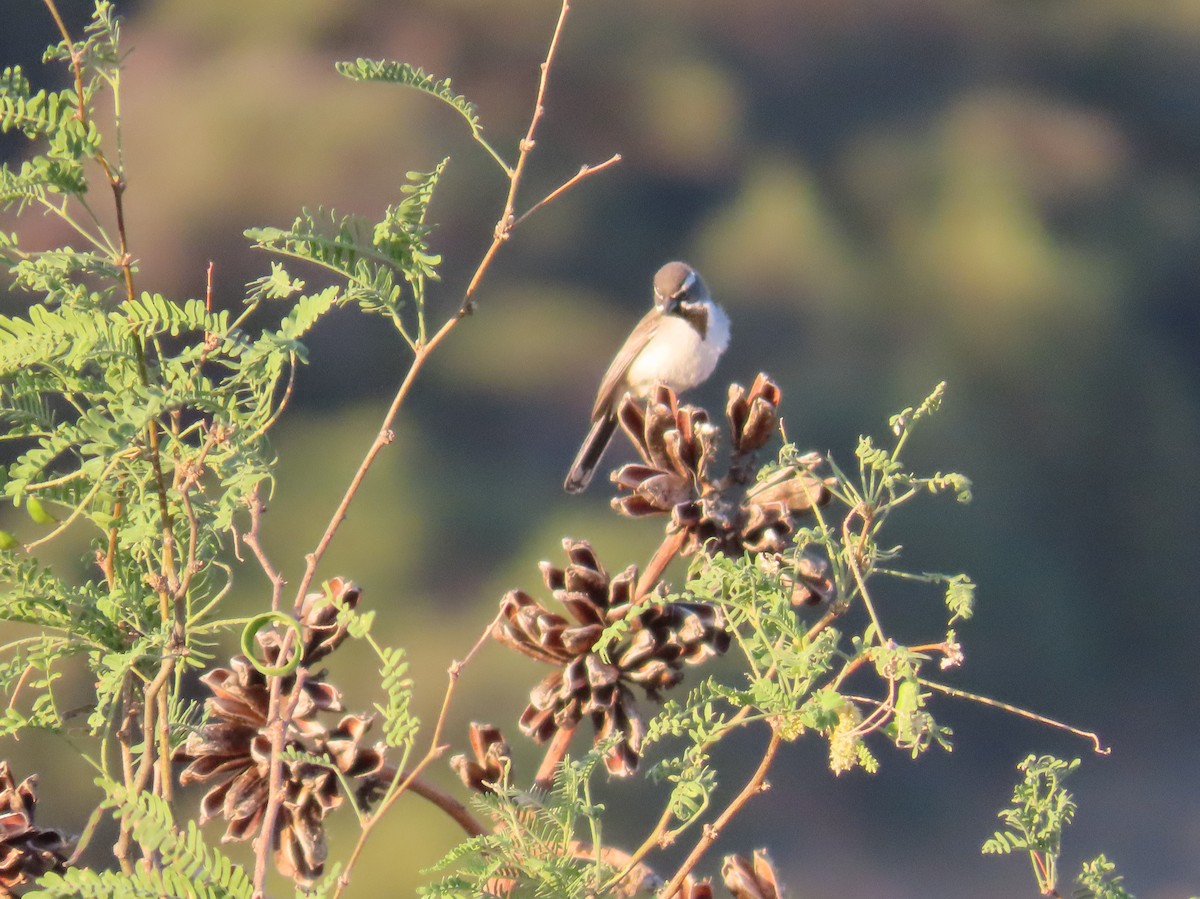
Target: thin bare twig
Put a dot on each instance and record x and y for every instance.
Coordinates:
(507, 222)
(128, 776)
(149, 696)
(252, 540)
(648, 845)
(584, 172)
(637, 878)
(108, 562)
(659, 836)
(279, 708)
(539, 109)
(279, 715)
(76, 66)
(190, 567)
(422, 351)
(439, 797)
(756, 784)
(409, 778)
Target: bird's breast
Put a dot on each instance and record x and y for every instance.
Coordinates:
(678, 356)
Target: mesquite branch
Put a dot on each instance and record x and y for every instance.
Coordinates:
(423, 349)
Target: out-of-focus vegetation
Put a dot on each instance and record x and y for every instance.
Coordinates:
(1002, 195)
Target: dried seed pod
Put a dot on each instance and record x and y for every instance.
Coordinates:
(810, 582)
(232, 751)
(754, 415)
(26, 850)
(679, 450)
(657, 641)
(751, 879)
(491, 757)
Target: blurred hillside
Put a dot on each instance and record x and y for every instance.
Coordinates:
(883, 194)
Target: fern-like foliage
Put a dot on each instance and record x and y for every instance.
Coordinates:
(388, 72)
(399, 724)
(1098, 879)
(549, 847)
(1040, 811)
(1041, 808)
(135, 418)
(49, 115)
(384, 265)
(792, 660)
(189, 868)
(35, 180)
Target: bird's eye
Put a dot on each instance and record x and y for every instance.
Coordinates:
(685, 288)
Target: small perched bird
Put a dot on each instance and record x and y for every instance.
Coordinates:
(677, 343)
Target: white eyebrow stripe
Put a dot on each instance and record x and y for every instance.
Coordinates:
(689, 282)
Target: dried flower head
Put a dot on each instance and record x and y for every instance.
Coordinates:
(657, 641)
(26, 850)
(730, 513)
(751, 879)
(806, 575)
(744, 878)
(694, 889)
(491, 757)
(232, 750)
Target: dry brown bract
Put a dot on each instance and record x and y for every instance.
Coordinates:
(491, 757)
(751, 878)
(26, 850)
(728, 513)
(232, 751)
(659, 639)
(744, 878)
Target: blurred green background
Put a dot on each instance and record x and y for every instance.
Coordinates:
(1004, 194)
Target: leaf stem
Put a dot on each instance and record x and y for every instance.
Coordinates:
(1097, 746)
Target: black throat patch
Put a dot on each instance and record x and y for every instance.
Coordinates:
(696, 315)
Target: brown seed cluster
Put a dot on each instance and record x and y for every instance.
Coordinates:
(806, 574)
(491, 757)
(752, 878)
(657, 640)
(678, 472)
(26, 850)
(232, 750)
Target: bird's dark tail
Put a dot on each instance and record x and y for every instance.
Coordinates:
(590, 454)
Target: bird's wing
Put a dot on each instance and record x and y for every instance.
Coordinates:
(614, 378)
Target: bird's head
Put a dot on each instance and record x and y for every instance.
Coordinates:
(677, 284)
(679, 290)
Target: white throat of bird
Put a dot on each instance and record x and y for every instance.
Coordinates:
(683, 351)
